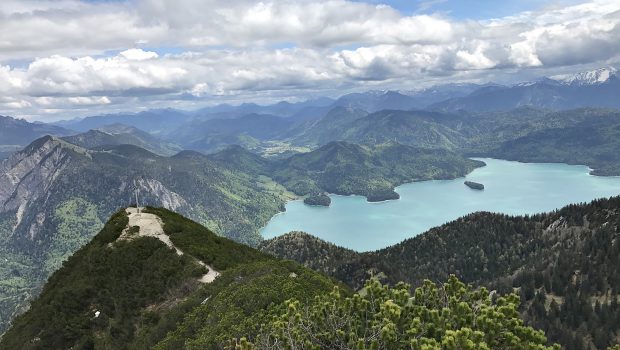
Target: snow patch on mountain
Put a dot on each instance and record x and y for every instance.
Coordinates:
(593, 77)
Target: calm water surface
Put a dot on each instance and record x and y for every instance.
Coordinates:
(510, 188)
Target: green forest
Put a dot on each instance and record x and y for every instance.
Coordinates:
(561, 264)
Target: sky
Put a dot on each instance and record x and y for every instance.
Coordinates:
(61, 59)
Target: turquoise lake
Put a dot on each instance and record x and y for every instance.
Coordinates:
(510, 187)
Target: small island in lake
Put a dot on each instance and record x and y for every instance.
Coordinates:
(474, 185)
(382, 194)
(320, 199)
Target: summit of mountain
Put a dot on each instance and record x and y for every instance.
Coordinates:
(119, 134)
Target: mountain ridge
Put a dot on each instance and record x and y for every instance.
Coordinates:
(129, 292)
(593, 77)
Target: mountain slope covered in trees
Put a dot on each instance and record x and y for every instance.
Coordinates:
(117, 293)
(346, 168)
(126, 290)
(580, 137)
(563, 265)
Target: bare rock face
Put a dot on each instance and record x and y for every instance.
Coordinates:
(26, 177)
(167, 198)
(27, 180)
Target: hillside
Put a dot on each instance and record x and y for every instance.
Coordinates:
(562, 264)
(347, 168)
(592, 139)
(333, 126)
(415, 128)
(138, 285)
(258, 126)
(124, 290)
(373, 101)
(580, 136)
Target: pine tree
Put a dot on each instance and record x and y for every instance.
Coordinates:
(449, 317)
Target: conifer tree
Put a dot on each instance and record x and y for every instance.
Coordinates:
(451, 316)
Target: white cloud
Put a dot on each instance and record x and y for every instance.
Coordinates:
(475, 58)
(58, 75)
(138, 54)
(234, 48)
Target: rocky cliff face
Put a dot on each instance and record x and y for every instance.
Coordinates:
(27, 176)
(168, 199)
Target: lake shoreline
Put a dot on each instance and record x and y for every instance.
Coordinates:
(511, 188)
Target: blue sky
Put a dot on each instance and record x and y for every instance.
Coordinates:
(458, 9)
(471, 9)
(105, 56)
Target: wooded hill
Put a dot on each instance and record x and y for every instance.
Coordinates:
(134, 294)
(563, 264)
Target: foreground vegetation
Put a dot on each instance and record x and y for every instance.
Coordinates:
(451, 316)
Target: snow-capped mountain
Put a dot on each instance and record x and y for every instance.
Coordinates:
(593, 77)
(597, 88)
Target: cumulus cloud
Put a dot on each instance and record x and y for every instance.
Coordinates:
(138, 54)
(130, 70)
(94, 53)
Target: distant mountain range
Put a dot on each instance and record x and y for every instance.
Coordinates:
(475, 120)
(120, 134)
(15, 134)
(156, 121)
(272, 129)
(598, 88)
